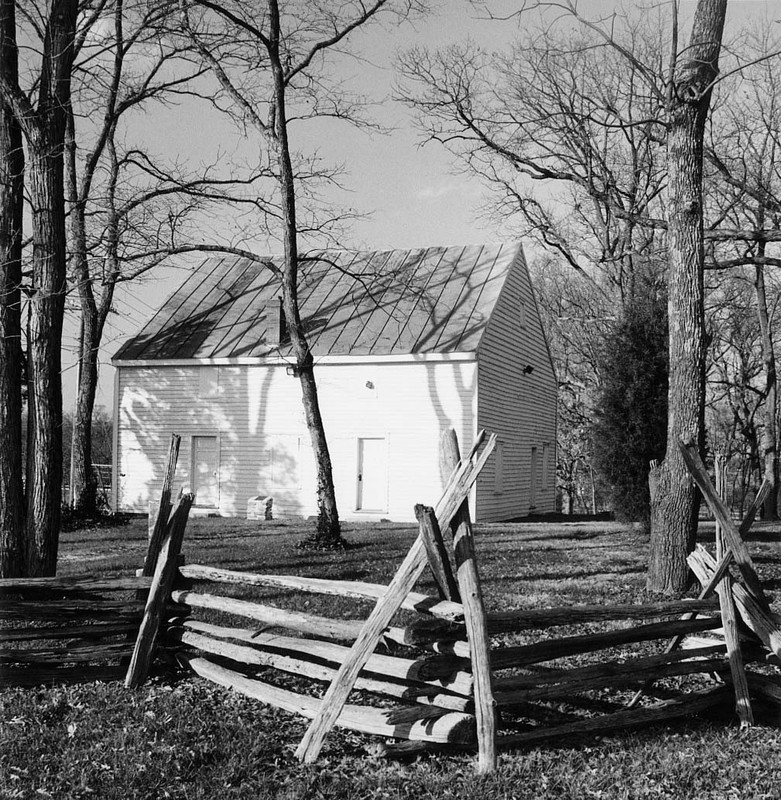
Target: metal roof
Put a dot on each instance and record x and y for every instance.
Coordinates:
(394, 302)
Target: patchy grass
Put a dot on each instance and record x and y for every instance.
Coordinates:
(189, 739)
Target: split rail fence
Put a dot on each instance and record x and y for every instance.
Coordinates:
(66, 630)
(442, 673)
(72, 630)
(439, 672)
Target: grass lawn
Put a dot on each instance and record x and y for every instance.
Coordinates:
(188, 739)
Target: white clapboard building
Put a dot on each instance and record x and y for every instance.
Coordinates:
(407, 343)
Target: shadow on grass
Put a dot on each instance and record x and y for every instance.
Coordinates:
(573, 574)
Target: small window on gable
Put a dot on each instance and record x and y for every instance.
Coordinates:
(499, 468)
(366, 389)
(208, 381)
(522, 314)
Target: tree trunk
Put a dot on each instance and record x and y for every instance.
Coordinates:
(93, 315)
(83, 498)
(676, 504)
(46, 141)
(328, 528)
(12, 552)
(43, 127)
(770, 432)
(47, 305)
(83, 487)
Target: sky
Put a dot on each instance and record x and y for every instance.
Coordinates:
(411, 192)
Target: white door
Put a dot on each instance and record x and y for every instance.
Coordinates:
(205, 469)
(372, 475)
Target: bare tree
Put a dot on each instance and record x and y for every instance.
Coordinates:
(736, 380)
(576, 320)
(608, 115)
(675, 502)
(742, 151)
(565, 129)
(12, 512)
(271, 64)
(43, 123)
(125, 209)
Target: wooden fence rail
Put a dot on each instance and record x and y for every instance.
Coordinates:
(458, 651)
(436, 668)
(428, 683)
(75, 629)
(414, 601)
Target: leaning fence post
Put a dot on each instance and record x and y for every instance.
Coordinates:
(160, 591)
(728, 615)
(331, 705)
(364, 645)
(158, 528)
(437, 555)
(721, 569)
(734, 653)
(732, 536)
(702, 564)
(474, 616)
(720, 480)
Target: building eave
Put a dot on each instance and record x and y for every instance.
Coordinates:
(279, 361)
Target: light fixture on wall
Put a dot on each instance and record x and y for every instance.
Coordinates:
(369, 384)
(292, 371)
(528, 369)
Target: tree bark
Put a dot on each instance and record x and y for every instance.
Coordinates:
(328, 526)
(12, 551)
(770, 432)
(676, 504)
(83, 487)
(83, 497)
(47, 306)
(44, 129)
(94, 305)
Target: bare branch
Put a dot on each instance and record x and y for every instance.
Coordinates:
(166, 252)
(238, 98)
(338, 35)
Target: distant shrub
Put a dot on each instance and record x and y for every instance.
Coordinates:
(629, 428)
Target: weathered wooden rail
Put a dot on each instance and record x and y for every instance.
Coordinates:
(423, 672)
(431, 674)
(76, 629)
(447, 672)
(64, 630)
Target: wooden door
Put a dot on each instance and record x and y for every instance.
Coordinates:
(372, 492)
(205, 471)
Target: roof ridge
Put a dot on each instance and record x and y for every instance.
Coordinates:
(382, 249)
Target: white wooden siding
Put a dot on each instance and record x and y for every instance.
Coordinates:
(264, 446)
(519, 407)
